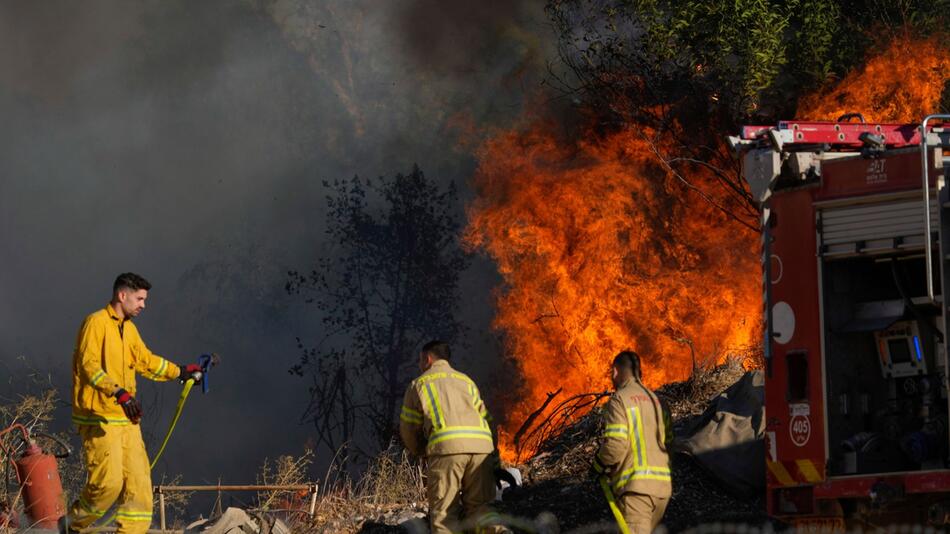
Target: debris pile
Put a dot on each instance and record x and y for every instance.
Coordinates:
(557, 479)
(375, 519)
(237, 521)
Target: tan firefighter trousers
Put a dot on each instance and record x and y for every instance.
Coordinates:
(642, 512)
(460, 490)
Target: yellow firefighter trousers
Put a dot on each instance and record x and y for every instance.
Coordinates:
(461, 486)
(117, 469)
(642, 512)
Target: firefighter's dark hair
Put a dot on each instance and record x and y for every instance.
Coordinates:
(628, 359)
(438, 349)
(130, 281)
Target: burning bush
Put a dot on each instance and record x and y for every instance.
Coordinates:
(902, 84)
(603, 246)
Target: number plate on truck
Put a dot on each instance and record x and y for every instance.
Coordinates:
(819, 525)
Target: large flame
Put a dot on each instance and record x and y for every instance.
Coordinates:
(601, 249)
(902, 84)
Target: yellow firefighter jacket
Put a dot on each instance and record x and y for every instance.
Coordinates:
(637, 434)
(109, 352)
(443, 413)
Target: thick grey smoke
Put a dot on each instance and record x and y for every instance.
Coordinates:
(459, 37)
(187, 141)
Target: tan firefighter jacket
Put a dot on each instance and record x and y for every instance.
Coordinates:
(109, 353)
(637, 434)
(443, 413)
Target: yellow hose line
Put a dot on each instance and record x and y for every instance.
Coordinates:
(612, 502)
(181, 406)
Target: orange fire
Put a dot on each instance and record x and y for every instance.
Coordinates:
(601, 249)
(902, 84)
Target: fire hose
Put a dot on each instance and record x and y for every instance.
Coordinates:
(612, 502)
(206, 361)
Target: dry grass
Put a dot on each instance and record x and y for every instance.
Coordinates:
(284, 471)
(289, 506)
(391, 489)
(392, 479)
(176, 503)
(32, 411)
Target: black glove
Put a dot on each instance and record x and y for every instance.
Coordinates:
(131, 407)
(503, 475)
(192, 371)
(592, 473)
(596, 471)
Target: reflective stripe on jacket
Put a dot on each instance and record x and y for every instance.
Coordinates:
(637, 433)
(108, 354)
(443, 413)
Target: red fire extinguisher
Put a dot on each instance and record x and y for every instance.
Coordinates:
(40, 486)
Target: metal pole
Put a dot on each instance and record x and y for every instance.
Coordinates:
(313, 500)
(161, 509)
(925, 175)
(111, 530)
(220, 487)
(161, 490)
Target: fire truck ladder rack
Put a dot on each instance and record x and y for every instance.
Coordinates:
(842, 136)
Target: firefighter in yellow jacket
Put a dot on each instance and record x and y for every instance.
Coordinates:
(633, 453)
(444, 419)
(109, 353)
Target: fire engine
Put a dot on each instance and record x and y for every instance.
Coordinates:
(855, 255)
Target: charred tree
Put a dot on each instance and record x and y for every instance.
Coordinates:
(387, 284)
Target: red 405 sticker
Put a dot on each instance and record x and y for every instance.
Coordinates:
(799, 429)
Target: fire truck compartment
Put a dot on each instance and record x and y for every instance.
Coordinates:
(880, 227)
(885, 389)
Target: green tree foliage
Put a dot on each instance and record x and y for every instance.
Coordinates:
(387, 283)
(691, 71)
(729, 60)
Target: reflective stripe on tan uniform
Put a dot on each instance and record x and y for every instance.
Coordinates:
(443, 413)
(444, 419)
(634, 455)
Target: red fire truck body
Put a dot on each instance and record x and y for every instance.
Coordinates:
(856, 385)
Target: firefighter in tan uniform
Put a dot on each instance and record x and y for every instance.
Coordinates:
(444, 419)
(109, 353)
(633, 453)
